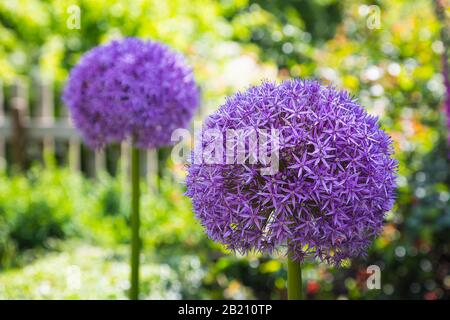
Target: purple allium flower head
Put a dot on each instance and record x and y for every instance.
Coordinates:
(336, 176)
(132, 88)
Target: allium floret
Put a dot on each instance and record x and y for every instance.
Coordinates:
(336, 176)
(131, 88)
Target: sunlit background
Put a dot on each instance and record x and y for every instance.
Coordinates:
(64, 232)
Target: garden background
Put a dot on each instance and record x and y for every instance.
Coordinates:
(64, 234)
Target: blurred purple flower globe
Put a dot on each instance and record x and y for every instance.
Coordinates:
(336, 176)
(132, 88)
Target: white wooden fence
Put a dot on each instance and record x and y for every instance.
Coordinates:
(32, 128)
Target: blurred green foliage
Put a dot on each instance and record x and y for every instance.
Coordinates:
(40, 210)
(392, 68)
(34, 208)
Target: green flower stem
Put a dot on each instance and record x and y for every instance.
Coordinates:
(295, 291)
(135, 222)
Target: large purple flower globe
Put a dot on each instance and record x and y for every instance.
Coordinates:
(131, 88)
(334, 183)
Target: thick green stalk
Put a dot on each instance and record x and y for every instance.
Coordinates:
(135, 222)
(295, 291)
